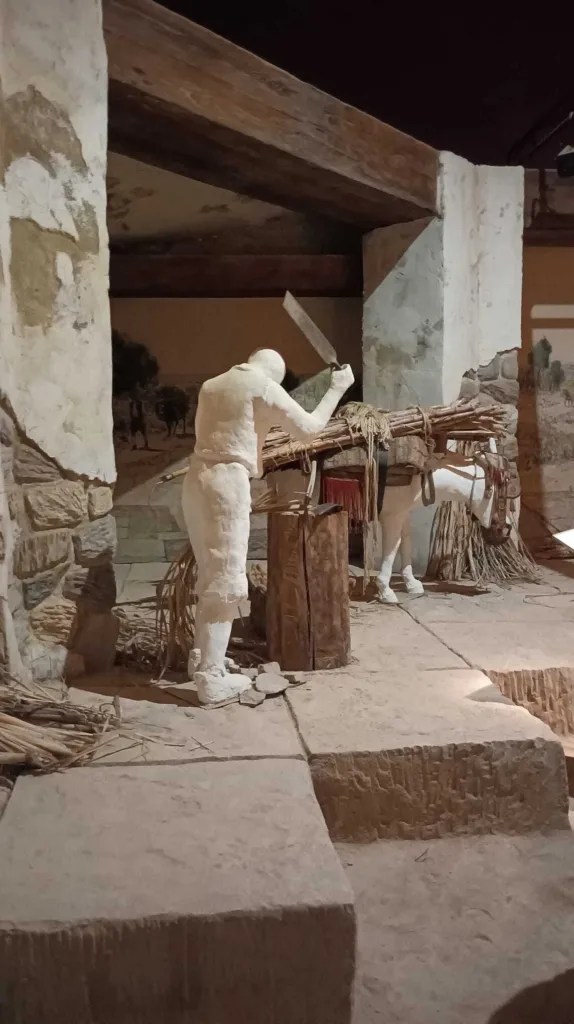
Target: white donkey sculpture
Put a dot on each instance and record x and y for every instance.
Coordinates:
(455, 478)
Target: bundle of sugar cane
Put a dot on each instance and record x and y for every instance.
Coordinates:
(45, 734)
(358, 423)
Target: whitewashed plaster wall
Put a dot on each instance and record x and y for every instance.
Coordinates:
(55, 347)
(444, 296)
(482, 212)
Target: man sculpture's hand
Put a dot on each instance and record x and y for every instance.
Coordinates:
(342, 379)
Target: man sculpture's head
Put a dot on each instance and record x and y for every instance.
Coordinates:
(269, 362)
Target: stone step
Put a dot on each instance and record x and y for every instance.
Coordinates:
(476, 930)
(202, 892)
(400, 751)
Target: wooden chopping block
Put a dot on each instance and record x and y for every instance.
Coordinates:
(308, 617)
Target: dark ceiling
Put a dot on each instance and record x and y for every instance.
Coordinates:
(475, 82)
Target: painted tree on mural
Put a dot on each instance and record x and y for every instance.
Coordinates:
(172, 406)
(134, 373)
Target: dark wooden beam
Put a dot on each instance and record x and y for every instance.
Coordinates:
(138, 276)
(186, 100)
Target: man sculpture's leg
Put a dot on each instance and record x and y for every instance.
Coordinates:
(216, 505)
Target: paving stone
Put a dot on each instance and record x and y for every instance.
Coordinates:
(146, 572)
(95, 543)
(400, 751)
(174, 548)
(464, 931)
(234, 868)
(410, 756)
(387, 636)
(194, 733)
(62, 503)
(140, 550)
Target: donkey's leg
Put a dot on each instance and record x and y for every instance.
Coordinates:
(412, 585)
(391, 528)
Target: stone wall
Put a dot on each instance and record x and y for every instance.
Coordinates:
(62, 586)
(57, 468)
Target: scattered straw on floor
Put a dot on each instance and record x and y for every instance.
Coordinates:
(44, 734)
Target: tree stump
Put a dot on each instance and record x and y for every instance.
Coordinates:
(308, 620)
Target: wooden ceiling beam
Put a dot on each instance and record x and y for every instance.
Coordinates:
(186, 100)
(175, 276)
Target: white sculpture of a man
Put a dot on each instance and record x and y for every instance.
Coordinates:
(235, 412)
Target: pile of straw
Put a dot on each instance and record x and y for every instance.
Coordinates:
(44, 734)
(459, 550)
(175, 621)
(359, 424)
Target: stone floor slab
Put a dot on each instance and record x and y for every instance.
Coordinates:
(206, 893)
(140, 550)
(476, 930)
(508, 646)
(167, 734)
(416, 752)
(383, 635)
(146, 572)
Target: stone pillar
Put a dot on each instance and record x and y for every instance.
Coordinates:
(55, 341)
(443, 296)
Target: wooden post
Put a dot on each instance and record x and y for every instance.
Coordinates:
(308, 621)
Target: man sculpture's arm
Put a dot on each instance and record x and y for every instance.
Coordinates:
(301, 425)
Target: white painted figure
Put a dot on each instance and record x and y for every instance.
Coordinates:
(234, 415)
(455, 478)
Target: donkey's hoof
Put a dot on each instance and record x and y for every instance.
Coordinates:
(415, 587)
(387, 597)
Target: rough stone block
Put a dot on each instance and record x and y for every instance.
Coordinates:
(37, 552)
(469, 388)
(95, 543)
(16, 505)
(504, 391)
(411, 756)
(54, 620)
(31, 466)
(96, 586)
(63, 503)
(100, 501)
(7, 429)
(239, 909)
(42, 586)
(509, 365)
(509, 447)
(510, 419)
(491, 370)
